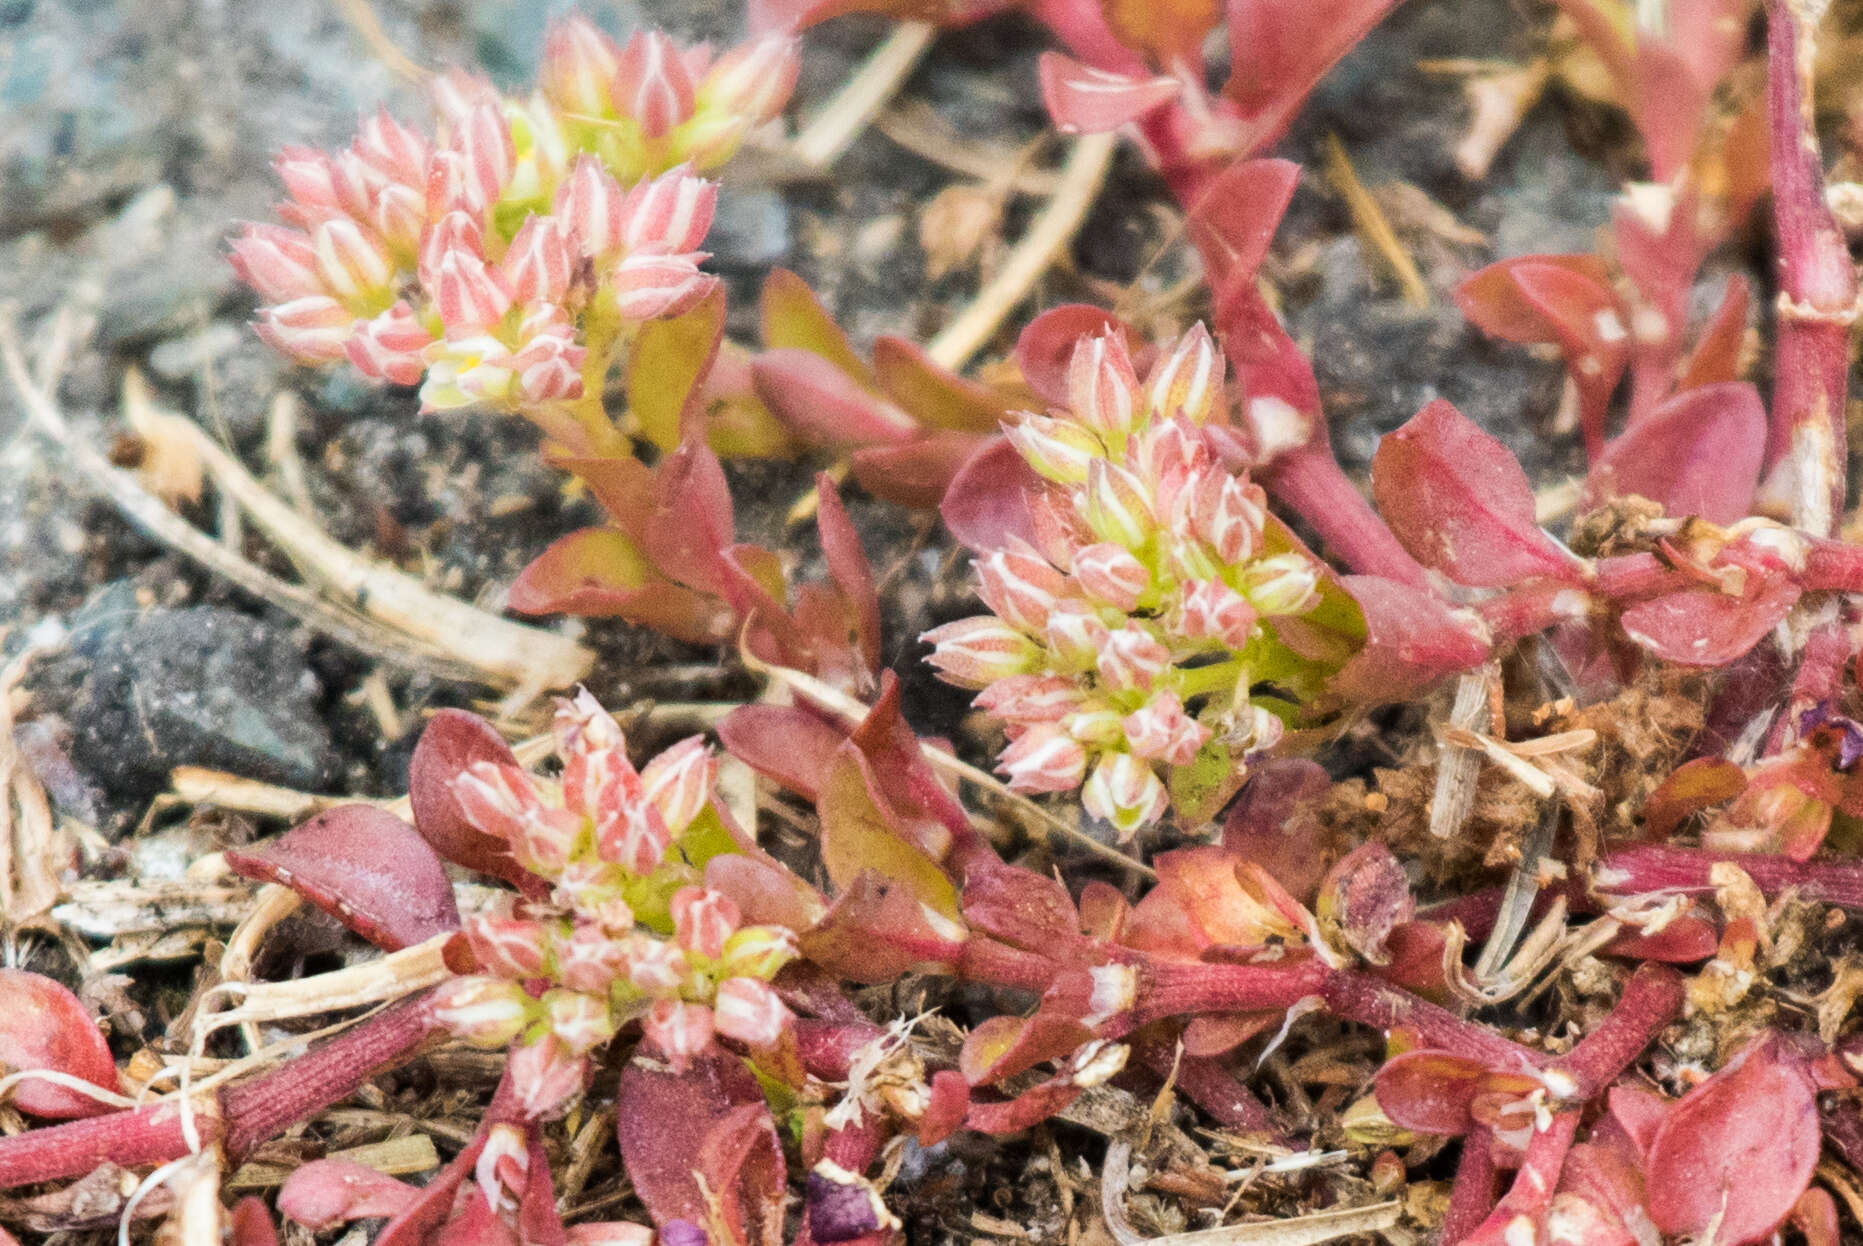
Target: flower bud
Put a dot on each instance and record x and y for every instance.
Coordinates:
(1074, 634)
(1132, 658)
(1283, 584)
(483, 140)
(634, 837)
(1030, 698)
(546, 1076)
(322, 187)
(315, 329)
(468, 294)
(977, 651)
(486, 1012)
(280, 263)
(494, 797)
(546, 840)
(1043, 759)
(1100, 726)
(703, 919)
(510, 947)
(1214, 611)
(1159, 730)
(389, 347)
(589, 202)
(672, 211)
(758, 952)
(1228, 514)
(457, 92)
(651, 85)
(451, 187)
(352, 262)
(749, 1011)
(1125, 792)
(679, 1029)
(1102, 389)
(1115, 507)
(679, 782)
(1188, 382)
(590, 959)
(655, 966)
(593, 748)
(549, 363)
(466, 371)
(753, 80)
(537, 266)
(399, 217)
(654, 287)
(580, 1021)
(579, 65)
(1058, 450)
(1018, 586)
(454, 231)
(1112, 575)
(397, 153)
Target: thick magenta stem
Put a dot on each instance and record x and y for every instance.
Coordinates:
(150, 1135)
(1471, 1198)
(297, 1090)
(1534, 1185)
(1309, 482)
(1183, 989)
(1353, 996)
(1665, 867)
(1651, 1000)
(1817, 290)
(1211, 1086)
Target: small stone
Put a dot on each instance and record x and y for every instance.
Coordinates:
(750, 231)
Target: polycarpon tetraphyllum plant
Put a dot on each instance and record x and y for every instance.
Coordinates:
(1131, 635)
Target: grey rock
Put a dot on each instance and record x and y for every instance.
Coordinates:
(198, 685)
(750, 231)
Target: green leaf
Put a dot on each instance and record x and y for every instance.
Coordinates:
(793, 318)
(666, 371)
(858, 833)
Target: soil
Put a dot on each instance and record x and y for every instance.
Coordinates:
(140, 131)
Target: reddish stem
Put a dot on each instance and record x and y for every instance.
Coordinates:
(150, 1135)
(1528, 1199)
(1651, 1000)
(1309, 482)
(1207, 1083)
(1369, 1001)
(1817, 288)
(1665, 867)
(1471, 1198)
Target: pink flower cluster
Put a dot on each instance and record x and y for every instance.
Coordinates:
(503, 263)
(1128, 637)
(564, 973)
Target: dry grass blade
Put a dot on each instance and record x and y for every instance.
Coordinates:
(1369, 219)
(31, 846)
(1308, 1230)
(397, 1157)
(371, 982)
(1047, 236)
(832, 130)
(1458, 768)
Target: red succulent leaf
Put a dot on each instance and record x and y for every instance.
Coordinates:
(601, 573)
(1046, 344)
(434, 1204)
(1104, 911)
(1003, 1046)
(783, 743)
(667, 366)
(706, 1129)
(1431, 1091)
(366, 868)
(692, 524)
(1460, 502)
(784, 15)
(1203, 900)
(1669, 104)
(1698, 453)
(248, 1225)
(1686, 939)
(327, 1192)
(1494, 300)
(933, 394)
(1815, 1216)
(924, 808)
(45, 1027)
(1085, 100)
(1706, 627)
(850, 570)
(1610, 1182)
(1412, 639)
(1716, 356)
(1025, 1111)
(1022, 908)
(988, 499)
(621, 483)
(877, 930)
(1638, 1113)
(1661, 259)
(1695, 785)
(1736, 1152)
(452, 742)
(1217, 1034)
(823, 405)
(1265, 824)
(765, 893)
(944, 1113)
(918, 473)
(1234, 220)
(1278, 53)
